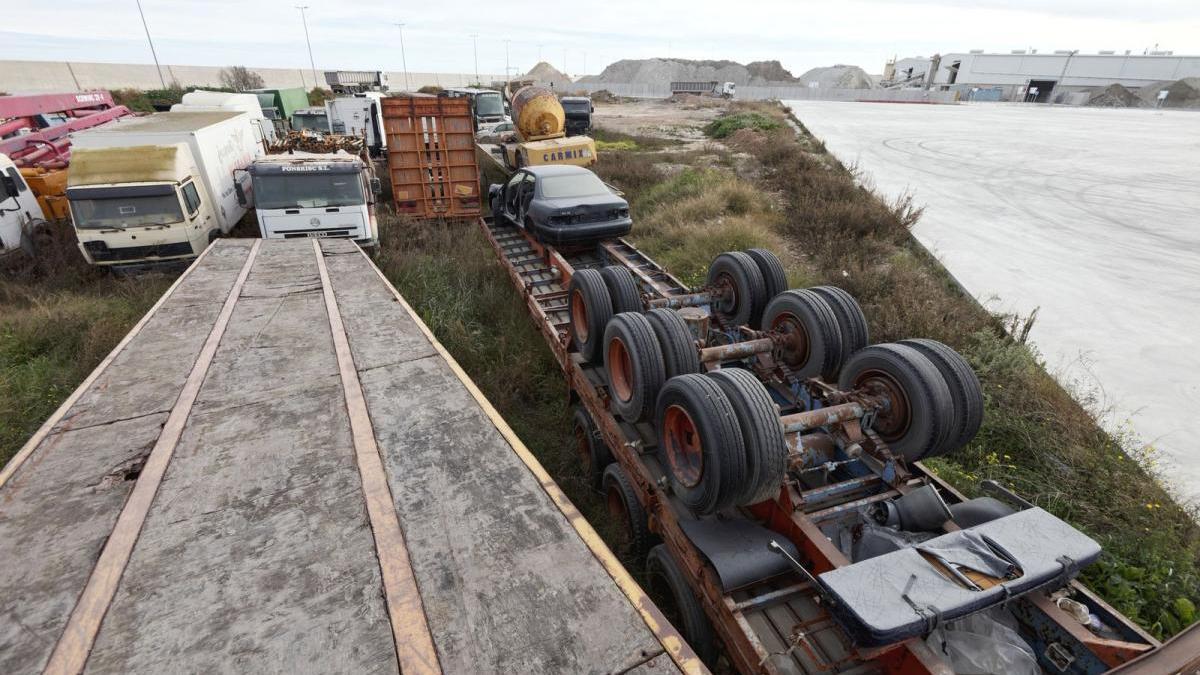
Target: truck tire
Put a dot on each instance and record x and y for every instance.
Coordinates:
(920, 417)
(634, 363)
(814, 347)
(762, 434)
(594, 453)
(737, 275)
(699, 442)
(851, 321)
(965, 392)
(622, 289)
(590, 309)
(773, 274)
(624, 507)
(670, 590)
(680, 356)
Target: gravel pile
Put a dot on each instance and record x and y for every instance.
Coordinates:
(547, 75)
(1116, 96)
(757, 73)
(1183, 93)
(838, 77)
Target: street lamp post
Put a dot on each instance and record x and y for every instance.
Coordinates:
(152, 52)
(506, 58)
(475, 48)
(311, 61)
(403, 58)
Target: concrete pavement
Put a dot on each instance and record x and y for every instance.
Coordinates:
(1091, 215)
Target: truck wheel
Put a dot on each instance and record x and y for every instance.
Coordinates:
(919, 417)
(634, 363)
(762, 433)
(736, 274)
(814, 343)
(680, 356)
(670, 590)
(965, 393)
(590, 310)
(773, 274)
(624, 507)
(43, 238)
(622, 289)
(852, 323)
(593, 451)
(699, 442)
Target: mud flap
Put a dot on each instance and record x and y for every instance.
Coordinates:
(738, 549)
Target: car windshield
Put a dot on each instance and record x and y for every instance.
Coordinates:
(573, 185)
(489, 104)
(282, 191)
(122, 212)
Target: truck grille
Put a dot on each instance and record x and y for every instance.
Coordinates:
(100, 251)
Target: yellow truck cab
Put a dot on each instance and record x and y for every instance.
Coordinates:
(158, 189)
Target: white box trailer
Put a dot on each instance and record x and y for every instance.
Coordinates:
(201, 99)
(158, 188)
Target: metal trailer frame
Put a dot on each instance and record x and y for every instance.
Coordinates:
(777, 625)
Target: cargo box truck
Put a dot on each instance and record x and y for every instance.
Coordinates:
(300, 194)
(158, 189)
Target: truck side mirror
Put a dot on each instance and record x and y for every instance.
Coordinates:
(244, 198)
(8, 187)
(376, 187)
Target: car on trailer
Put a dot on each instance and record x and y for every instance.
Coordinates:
(561, 205)
(766, 461)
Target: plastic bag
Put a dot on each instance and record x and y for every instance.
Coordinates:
(986, 643)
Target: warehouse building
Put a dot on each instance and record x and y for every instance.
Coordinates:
(1040, 77)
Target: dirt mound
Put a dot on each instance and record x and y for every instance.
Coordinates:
(1183, 93)
(547, 75)
(839, 76)
(1116, 96)
(770, 71)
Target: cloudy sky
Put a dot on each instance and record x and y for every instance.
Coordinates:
(580, 36)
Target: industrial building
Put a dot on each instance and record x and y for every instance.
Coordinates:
(1049, 77)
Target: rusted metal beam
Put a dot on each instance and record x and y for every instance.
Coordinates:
(813, 419)
(736, 350)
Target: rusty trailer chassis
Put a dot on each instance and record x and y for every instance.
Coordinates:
(779, 624)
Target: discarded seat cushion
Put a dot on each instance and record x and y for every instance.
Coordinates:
(900, 594)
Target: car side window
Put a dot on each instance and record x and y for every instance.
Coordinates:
(192, 197)
(527, 190)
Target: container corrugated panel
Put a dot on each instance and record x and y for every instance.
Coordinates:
(431, 156)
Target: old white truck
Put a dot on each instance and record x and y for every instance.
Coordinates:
(359, 115)
(20, 213)
(302, 194)
(158, 189)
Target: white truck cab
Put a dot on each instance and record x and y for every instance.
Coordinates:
(19, 210)
(301, 194)
(359, 115)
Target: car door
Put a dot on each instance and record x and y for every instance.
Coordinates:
(510, 197)
(525, 197)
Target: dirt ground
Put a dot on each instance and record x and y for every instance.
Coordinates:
(661, 118)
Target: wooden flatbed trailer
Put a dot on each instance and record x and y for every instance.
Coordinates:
(281, 470)
(779, 622)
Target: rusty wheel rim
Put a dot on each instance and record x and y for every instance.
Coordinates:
(729, 294)
(620, 369)
(685, 451)
(797, 348)
(894, 421)
(579, 316)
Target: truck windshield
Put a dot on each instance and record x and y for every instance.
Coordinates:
(121, 212)
(577, 185)
(311, 123)
(307, 191)
(489, 105)
(577, 107)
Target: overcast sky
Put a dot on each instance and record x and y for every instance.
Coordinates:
(360, 34)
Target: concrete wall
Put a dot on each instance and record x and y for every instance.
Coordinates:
(781, 92)
(1082, 70)
(32, 76)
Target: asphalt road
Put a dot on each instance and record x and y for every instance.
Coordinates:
(1090, 215)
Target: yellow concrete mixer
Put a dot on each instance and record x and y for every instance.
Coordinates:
(540, 126)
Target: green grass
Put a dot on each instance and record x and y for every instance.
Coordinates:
(726, 125)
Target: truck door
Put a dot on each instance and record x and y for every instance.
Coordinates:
(199, 219)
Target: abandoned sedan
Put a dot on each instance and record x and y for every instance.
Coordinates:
(561, 205)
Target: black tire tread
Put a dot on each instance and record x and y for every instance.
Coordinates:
(680, 356)
(646, 359)
(622, 289)
(771, 268)
(599, 455)
(753, 292)
(718, 427)
(851, 320)
(965, 390)
(762, 434)
(822, 325)
(599, 304)
(696, 628)
(641, 540)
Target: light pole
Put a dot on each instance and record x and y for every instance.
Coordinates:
(475, 48)
(506, 58)
(403, 58)
(311, 62)
(152, 52)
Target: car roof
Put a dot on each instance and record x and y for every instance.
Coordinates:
(556, 170)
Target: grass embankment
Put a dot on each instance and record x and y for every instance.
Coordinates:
(55, 327)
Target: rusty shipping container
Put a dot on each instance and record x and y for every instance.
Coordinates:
(431, 156)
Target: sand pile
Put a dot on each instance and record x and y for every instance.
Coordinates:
(769, 71)
(1183, 93)
(838, 77)
(547, 75)
(1116, 96)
